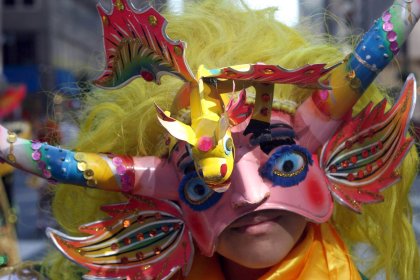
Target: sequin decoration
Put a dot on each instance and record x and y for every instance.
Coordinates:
(11, 139)
(124, 166)
(391, 35)
(37, 157)
(152, 20)
(119, 5)
(82, 166)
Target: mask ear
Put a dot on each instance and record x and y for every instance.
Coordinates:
(361, 158)
(176, 128)
(162, 242)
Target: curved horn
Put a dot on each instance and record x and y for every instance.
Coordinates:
(318, 117)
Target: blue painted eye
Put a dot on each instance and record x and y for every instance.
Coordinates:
(287, 166)
(196, 194)
(228, 145)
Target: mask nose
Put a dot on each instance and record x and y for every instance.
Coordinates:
(248, 188)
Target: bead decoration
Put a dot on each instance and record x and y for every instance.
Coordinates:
(114, 246)
(352, 160)
(126, 223)
(157, 250)
(11, 139)
(140, 236)
(139, 256)
(153, 233)
(268, 71)
(333, 169)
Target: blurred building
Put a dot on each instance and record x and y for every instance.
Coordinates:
(49, 44)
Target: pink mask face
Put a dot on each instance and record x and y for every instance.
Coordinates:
(278, 174)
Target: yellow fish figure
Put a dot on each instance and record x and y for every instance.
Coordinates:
(209, 135)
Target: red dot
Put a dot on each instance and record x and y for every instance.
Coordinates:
(140, 256)
(264, 111)
(350, 177)
(373, 150)
(114, 246)
(353, 159)
(223, 170)
(140, 236)
(157, 250)
(153, 233)
(360, 174)
(148, 76)
(333, 168)
(265, 97)
(345, 164)
(158, 216)
(365, 154)
(349, 144)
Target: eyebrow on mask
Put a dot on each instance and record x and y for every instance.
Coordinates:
(281, 130)
(281, 134)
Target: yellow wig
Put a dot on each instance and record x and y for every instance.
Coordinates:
(220, 34)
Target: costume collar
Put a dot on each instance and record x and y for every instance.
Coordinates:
(320, 255)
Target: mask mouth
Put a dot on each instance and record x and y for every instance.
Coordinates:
(220, 188)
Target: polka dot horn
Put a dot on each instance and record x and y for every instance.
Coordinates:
(362, 158)
(144, 238)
